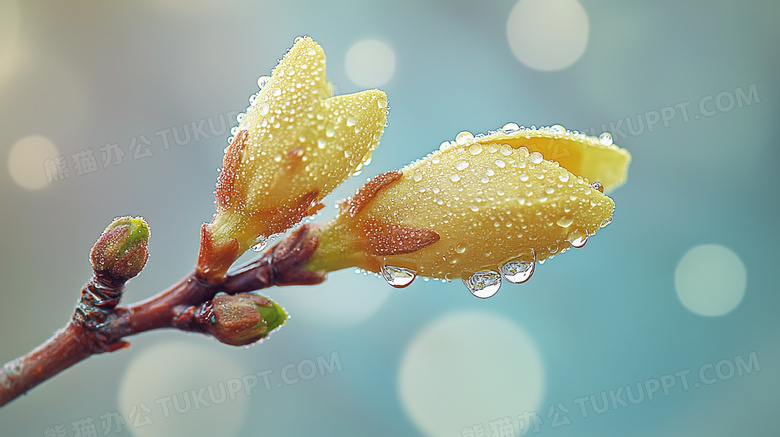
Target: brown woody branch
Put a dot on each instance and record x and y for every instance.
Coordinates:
(99, 324)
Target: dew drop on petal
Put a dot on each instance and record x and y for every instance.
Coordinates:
(597, 186)
(605, 139)
(565, 222)
(260, 244)
(535, 158)
(510, 128)
(475, 149)
(455, 177)
(563, 177)
(557, 129)
(606, 221)
(462, 165)
(483, 284)
(262, 81)
(464, 138)
(398, 277)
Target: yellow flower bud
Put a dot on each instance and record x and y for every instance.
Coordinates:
(292, 147)
(477, 206)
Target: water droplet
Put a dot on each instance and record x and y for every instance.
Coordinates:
(351, 121)
(557, 129)
(264, 110)
(565, 222)
(489, 172)
(329, 131)
(277, 92)
(240, 117)
(455, 177)
(519, 270)
(417, 177)
(462, 165)
(605, 139)
(381, 103)
(260, 244)
(460, 248)
(500, 163)
(321, 143)
(523, 177)
(563, 177)
(262, 81)
(597, 186)
(549, 190)
(464, 138)
(606, 222)
(579, 241)
(398, 277)
(483, 284)
(510, 128)
(535, 158)
(505, 149)
(475, 149)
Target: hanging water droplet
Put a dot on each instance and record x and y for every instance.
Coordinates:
(605, 139)
(260, 244)
(535, 158)
(519, 270)
(483, 284)
(510, 128)
(579, 241)
(464, 138)
(607, 221)
(398, 277)
(597, 186)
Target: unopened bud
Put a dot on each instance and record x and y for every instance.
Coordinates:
(243, 319)
(120, 253)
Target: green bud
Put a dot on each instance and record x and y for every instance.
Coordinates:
(120, 253)
(243, 319)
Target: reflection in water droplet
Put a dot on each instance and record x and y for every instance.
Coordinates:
(558, 129)
(464, 138)
(565, 222)
(260, 244)
(262, 81)
(510, 128)
(398, 277)
(519, 270)
(607, 221)
(605, 139)
(579, 242)
(597, 186)
(483, 284)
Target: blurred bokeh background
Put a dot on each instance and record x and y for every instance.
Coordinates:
(664, 324)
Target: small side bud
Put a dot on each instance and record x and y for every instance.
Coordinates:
(120, 253)
(241, 319)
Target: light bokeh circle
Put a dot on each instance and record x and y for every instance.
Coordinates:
(469, 368)
(26, 161)
(710, 280)
(370, 63)
(184, 370)
(548, 35)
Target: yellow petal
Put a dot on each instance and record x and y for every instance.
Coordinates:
(596, 159)
(489, 203)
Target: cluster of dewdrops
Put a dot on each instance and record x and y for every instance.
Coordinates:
(484, 284)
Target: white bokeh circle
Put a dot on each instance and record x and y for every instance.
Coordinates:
(469, 368)
(183, 370)
(548, 35)
(26, 161)
(710, 280)
(370, 63)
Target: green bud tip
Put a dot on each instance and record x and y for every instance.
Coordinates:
(121, 251)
